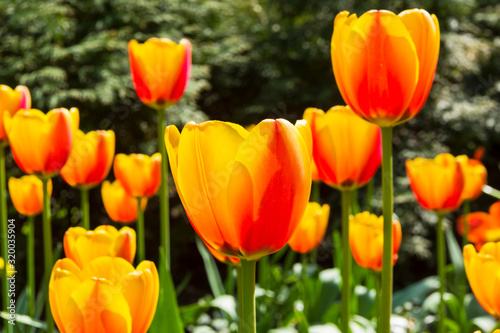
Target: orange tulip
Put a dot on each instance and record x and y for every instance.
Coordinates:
(160, 70)
(384, 64)
(140, 175)
(366, 238)
(26, 194)
(41, 143)
(106, 296)
(244, 192)
(475, 177)
(82, 246)
(311, 229)
(90, 158)
(483, 272)
(12, 101)
(120, 206)
(223, 258)
(483, 227)
(347, 150)
(436, 183)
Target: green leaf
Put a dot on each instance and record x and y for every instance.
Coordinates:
(327, 293)
(23, 319)
(366, 298)
(456, 256)
(167, 316)
(226, 303)
(213, 275)
(485, 323)
(283, 330)
(191, 313)
(416, 292)
(359, 324)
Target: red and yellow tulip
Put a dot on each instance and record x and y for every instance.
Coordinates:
(90, 159)
(120, 206)
(139, 174)
(346, 149)
(475, 176)
(11, 101)
(244, 192)
(384, 63)
(82, 246)
(311, 229)
(366, 238)
(26, 194)
(160, 70)
(437, 183)
(41, 143)
(483, 272)
(483, 227)
(107, 295)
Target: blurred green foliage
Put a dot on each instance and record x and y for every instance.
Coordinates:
(253, 59)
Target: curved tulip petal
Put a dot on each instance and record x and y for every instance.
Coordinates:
(26, 194)
(120, 206)
(269, 194)
(12, 101)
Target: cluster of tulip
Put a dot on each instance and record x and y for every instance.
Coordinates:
(245, 192)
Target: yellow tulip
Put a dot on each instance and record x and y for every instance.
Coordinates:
(139, 174)
(105, 296)
(11, 101)
(41, 143)
(120, 206)
(366, 238)
(26, 194)
(82, 246)
(483, 272)
(311, 229)
(475, 175)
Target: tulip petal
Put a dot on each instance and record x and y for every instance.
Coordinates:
(204, 177)
(269, 187)
(141, 290)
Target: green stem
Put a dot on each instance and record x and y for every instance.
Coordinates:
(4, 231)
(378, 286)
(346, 261)
(164, 204)
(441, 260)
(31, 265)
(387, 198)
(141, 251)
(239, 293)
(370, 188)
(466, 226)
(313, 256)
(491, 191)
(248, 323)
(304, 283)
(85, 208)
(47, 249)
(315, 192)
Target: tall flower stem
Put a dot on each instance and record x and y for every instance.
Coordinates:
(141, 250)
(378, 284)
(315, 191)
(31, 265)
(85, 208)
(466, 226)
(346, 262)
(47, 249)
(248, 323)
(441, 261)
(387, 207)
(164, 203)
(239, 293)
(3, 232)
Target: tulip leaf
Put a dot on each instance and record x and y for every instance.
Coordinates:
(456, 256)
(416, 292)
(213, 274)
(23, 319)
(167, 317)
